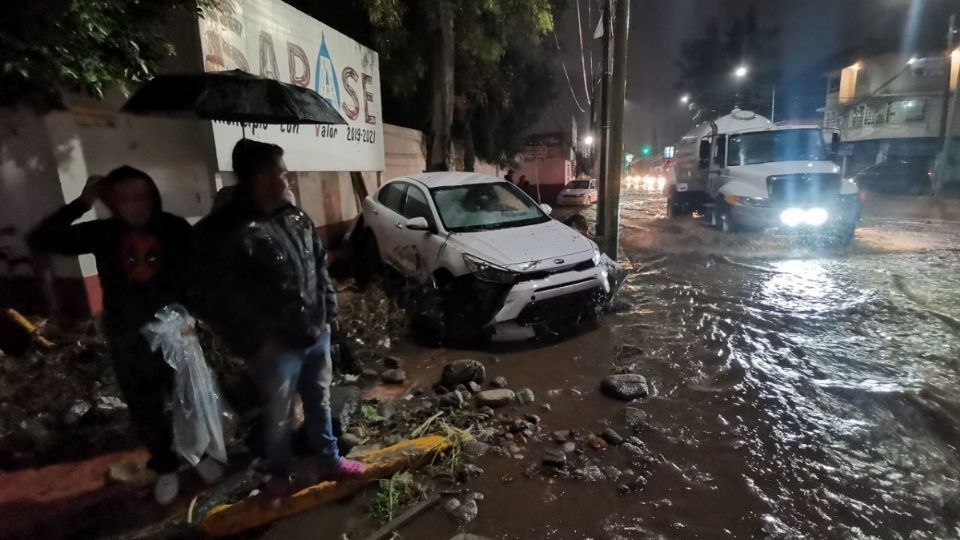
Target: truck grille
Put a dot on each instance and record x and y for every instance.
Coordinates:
(804, 187)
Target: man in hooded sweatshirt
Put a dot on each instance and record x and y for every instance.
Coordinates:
(142, 254)
(264, 285)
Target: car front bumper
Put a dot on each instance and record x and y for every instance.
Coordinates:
(570, 200)
(556, 296)
(843, 211)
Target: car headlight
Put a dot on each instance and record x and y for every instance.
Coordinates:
(486, 271)
(751, 201)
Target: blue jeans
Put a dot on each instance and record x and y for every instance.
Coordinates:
(307, 372)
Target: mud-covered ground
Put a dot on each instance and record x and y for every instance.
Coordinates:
(798, 390)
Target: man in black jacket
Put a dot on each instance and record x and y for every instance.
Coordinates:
(142, 254)
(264, 286)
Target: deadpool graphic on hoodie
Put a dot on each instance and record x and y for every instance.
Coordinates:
(141, 269)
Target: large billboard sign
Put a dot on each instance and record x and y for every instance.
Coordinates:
(271, 39)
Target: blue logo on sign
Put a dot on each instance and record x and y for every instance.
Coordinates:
(326, 79)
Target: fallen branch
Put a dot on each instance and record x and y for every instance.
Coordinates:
(403, 518)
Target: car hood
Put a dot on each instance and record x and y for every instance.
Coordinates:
(518, 248)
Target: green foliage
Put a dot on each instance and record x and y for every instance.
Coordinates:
(52, 46)
(394, 495)
(503, 74)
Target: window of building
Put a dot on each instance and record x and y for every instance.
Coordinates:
(908, 110)
(833, 85)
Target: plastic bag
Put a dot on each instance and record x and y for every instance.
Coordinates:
(197, 404)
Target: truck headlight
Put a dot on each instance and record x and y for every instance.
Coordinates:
(792, 217)
(486, 271)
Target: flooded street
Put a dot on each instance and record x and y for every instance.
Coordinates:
(796, 392)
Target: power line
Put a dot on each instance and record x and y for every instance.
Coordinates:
(567, 74)
(583, 64)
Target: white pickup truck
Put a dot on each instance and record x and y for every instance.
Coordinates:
(742, 171)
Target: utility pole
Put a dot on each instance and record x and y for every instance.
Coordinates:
(617, 93)
(604, 153)
(948, 114)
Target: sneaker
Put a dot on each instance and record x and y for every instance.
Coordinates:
(344, 468)
(166, 488)
(209, 470)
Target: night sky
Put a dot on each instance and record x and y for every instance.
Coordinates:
(813, 34)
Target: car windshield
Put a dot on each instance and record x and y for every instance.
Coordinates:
(579, 184)
(481, 207)
(782, 145)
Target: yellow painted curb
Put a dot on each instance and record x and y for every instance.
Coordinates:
(232, 518)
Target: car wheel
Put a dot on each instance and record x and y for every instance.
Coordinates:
(372, 261)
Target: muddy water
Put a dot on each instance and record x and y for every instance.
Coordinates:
(798, 392)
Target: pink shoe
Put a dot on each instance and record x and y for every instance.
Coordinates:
(344, 468)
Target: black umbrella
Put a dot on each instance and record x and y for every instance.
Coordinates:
(231, 96)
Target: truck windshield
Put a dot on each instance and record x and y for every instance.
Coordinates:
(781, 145)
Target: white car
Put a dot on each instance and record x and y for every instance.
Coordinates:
(500, 263)
(578, 193)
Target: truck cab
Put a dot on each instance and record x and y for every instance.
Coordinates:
(742, 172)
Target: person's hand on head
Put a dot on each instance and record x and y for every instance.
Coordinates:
(93, 190)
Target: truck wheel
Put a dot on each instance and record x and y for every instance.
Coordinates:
(678, 207)
(847, 234)
(724, 219)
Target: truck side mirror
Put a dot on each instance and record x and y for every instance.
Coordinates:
(834, 144)
(704, 157)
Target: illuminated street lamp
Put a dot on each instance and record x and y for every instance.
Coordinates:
(588, 140)
(741, 72)
(685, 99)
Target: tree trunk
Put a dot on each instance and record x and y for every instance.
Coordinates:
(463, 134)
(441, 96)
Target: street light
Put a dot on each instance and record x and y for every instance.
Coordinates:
(685, 99)
(912, 60)
(588, 140)
(741, 72)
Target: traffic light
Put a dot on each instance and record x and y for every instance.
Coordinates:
(646, 150)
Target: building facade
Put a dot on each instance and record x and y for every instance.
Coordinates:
(889, 107)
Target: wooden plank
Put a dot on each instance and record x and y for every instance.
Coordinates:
(233, 518)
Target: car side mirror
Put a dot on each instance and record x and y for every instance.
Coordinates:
(546, 208)
(704, 157)
(418, 224)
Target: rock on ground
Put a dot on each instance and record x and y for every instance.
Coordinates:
(393, 376)
(462, 372)
(499, 382)
(466, 512)
(475, 448)
(554, 458)
(612, 437)
(345, 404)
(525, 396)
(590, 473)
(625, 387)
(393, 362)
(634, 417)
(496, 398)
(452, 399)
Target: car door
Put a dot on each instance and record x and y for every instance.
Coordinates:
(416, 251)
(383, 218)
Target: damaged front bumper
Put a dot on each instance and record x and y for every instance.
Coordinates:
(537, 301)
